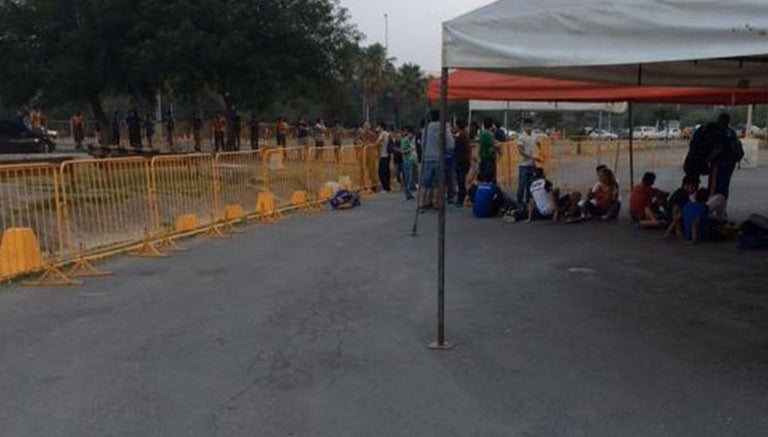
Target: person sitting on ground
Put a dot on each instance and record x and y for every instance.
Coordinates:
(545, 201)
(646, 204)
(698, 224)
(487, 198)
(603, 201)
(677, 201)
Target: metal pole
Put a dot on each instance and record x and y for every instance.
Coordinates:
(631, 148)
(386, 34)
(441, 344)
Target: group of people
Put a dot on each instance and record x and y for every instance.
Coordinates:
(226, 130)
(696, 213)
(310, 135)
(403, 150)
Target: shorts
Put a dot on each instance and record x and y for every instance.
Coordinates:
(429, 175)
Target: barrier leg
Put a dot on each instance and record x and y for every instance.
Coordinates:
(167, 242)
(147, 249)
(52, 277)
(83, 268)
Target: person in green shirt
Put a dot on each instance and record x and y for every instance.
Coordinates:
(410, 160)
(489, 148)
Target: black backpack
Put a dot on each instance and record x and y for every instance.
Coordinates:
(699, 149)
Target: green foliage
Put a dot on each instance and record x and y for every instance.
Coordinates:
(244, 52)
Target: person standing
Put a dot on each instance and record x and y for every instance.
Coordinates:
(430, 156)
(170, 127)
(115, 126)
(319, 131)
(488, 150)
(197, 130)
(149, 129)
(397, 157)
(133, 121)
(237, 125)
(302, 132)
(219, 131)
(254, 125)
(462, 157)
(727, 152)
(36, 121)
(382, 143)
(526, 147)
(337, 132)
(281, 131)
(410, 160)
(78, 129)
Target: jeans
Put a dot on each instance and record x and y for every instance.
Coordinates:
(725, 171)
(384, 174)
(461, 183)
(450, 185)
(589, 209)
(488, 168)
(408, 185)
(525, 175)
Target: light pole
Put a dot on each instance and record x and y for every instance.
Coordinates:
(386, 34)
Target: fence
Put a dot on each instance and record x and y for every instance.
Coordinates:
(54, 215)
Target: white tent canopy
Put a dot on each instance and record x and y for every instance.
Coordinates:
(697, 43)
(503, 105)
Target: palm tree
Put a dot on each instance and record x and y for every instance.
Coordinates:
(373, 74)
(410, 90)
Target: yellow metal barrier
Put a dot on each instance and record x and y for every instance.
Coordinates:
(506, 166)
(185, 185)
(370, 167)
(105, 203)
(242, 177)
(30, 218)
(324, 168)
(351, 165)
(52, 215)
(286, 171)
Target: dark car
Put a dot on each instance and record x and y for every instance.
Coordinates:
(16, 138)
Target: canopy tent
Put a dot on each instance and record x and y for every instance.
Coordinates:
(679, 43)
(482, 85)
(506, 105)
(692, 43)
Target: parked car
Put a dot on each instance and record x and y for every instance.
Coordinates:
(16, 138)
(645, 133)
(602, 134)
(673, 133)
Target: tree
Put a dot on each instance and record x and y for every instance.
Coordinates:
(411, 92)
(373, 74)
(243, 52)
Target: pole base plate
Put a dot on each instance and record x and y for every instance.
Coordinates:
(446, 346)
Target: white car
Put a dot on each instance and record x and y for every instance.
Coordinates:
(602, 134)
(674, 133)
(645, 133)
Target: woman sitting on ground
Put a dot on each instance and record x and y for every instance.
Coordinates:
(603, 202)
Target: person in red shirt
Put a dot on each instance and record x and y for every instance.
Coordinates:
(646, 203)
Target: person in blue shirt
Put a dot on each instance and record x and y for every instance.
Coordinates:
(487, 198)
(698, 225)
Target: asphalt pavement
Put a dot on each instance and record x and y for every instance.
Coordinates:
(317, 326)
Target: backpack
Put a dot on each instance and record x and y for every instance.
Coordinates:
(736, 151)
(699, 149)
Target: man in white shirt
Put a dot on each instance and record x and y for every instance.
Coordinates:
(546, 202)
(382, 143)
(526, 147)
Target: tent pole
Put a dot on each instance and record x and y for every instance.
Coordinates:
(631, 147)
(441, 344)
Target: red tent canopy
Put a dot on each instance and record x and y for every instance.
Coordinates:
(480, 85)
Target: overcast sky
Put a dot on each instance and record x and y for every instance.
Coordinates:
(414, 25)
